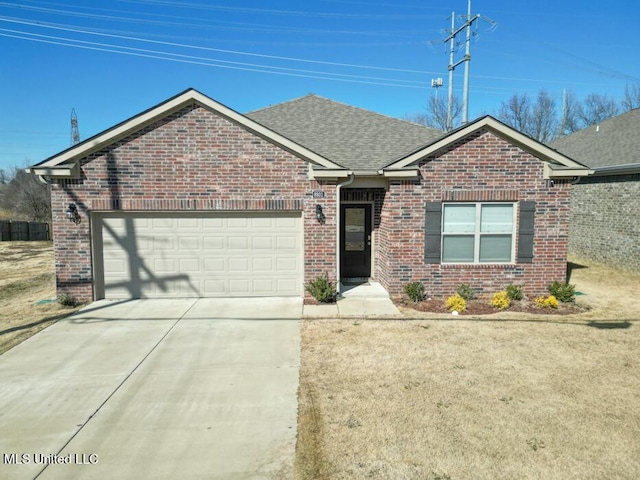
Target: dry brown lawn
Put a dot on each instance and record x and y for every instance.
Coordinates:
(26, 278)
(506, 396)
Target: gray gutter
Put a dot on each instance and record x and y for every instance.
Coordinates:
(628, 168)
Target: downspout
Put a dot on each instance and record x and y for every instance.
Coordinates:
(352, 177)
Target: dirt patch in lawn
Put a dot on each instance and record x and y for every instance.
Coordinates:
(27, 291)
(502, 396)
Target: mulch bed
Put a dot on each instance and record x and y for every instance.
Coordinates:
(482, 306)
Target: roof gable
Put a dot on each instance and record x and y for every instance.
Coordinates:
(558, 164)
(64, 164)
(350, 136)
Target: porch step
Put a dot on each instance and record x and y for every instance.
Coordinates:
(369, 289)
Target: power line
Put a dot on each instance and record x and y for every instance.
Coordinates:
(211, 49)
(137, 52)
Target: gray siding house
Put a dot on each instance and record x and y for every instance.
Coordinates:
(604, 223)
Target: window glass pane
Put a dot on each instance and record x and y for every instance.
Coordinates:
(496, 218)
(457, 248)
(354, 220)
(459, 219)
(495, 248)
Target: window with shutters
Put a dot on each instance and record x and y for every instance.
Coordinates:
(478, 232)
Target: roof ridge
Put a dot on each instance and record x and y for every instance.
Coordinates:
(286, 102)
(349, 106)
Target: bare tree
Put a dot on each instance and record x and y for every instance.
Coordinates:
(4, 176)
(435, 115)
(543, 124)
(26, 197)
(631, 98)
(537, 118)
(570, 121)
(516, 112)
(597, 108)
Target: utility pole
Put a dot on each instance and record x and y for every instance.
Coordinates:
(466, 27)
(452, 50)
(75, 132)
(467, 61)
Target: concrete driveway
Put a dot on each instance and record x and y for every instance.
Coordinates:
(162, 389)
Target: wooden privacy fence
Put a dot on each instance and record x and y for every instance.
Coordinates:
(25, 231)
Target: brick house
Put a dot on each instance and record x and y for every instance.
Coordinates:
(191, 198)
(604, 223)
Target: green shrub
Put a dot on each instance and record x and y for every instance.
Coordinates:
(415, 291)
(501, 300)
(466, 292)
(68, 300)
(562, 291)
(456, 303)
(322, 289)
(515, 292)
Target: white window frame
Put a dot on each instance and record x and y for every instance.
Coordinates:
(477, 234)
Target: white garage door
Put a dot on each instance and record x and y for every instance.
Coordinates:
(145, 255)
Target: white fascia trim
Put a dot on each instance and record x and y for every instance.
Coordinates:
(550, 172)
(136, 123)
(404, 173)
(66, 170)
(327, 173)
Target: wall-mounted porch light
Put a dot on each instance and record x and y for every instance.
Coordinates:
(319, 214)
(72, 213)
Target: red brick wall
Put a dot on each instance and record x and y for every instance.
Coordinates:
(480, 168)
(192, 160)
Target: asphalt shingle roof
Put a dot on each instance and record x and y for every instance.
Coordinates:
(349, 136)
(614, 142)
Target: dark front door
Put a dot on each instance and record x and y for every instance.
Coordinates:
(355, 240)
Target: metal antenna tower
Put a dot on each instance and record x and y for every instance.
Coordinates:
(75, 133)
(465, 27)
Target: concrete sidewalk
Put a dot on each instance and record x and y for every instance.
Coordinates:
(368, 299)
(193, 388)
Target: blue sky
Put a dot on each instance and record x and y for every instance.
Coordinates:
(110, 60)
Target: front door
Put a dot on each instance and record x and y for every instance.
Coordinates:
(355, 240)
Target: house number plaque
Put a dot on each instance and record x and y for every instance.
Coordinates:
(317, 194)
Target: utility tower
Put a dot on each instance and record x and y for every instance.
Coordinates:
(466, 28)
(75, 133)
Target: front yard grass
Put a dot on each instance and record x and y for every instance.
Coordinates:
(27, 291)
(498, 397)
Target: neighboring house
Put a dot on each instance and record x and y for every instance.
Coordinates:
(604, 223)
(191, 198)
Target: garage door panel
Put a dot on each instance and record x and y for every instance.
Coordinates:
(190, 265)
(213, 223)
(188, 243)
(262, 242)
(240, 286)
(237, 223)
(284, 264)
(286, 242)
(237, 243)
(215, 265)
(214, 243)
(165, 265)
(286, 222)
(164, 243)
(159, 223)
(238, 265)
(200, 255)
(262, 265)
(188, 222)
